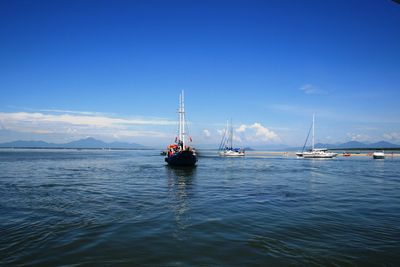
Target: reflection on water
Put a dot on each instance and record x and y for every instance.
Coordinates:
(180, 185)
(126, 208)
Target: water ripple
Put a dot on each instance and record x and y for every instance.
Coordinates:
(78, 208)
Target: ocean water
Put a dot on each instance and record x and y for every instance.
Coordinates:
(127, 208)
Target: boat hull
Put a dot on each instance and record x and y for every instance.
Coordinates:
(378, 155)
(231, 153)
(182, 159)
(319, 155)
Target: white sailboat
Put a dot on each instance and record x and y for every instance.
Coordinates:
(321, 153)
(226, 148)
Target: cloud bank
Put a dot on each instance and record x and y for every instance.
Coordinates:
(79, 124)
(256, 133)
(358, 137)
(393, 136)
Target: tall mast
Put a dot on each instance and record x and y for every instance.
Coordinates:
(227, 134)
(231, 136)
(182, 121)
(313, 130)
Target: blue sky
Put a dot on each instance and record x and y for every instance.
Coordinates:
(114, 69)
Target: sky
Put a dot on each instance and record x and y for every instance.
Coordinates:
(113, 70)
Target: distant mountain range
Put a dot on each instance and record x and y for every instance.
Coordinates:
(344, 146)
(98, 144)
(82, 143)
(355, 144)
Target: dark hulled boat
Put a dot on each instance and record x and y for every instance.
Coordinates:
(182, 158)
(179, 154)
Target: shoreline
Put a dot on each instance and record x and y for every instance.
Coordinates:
(293, 154)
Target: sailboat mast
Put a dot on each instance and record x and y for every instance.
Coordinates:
(183, 120)
(231, 136)
(180, 119)
(225, 138)
(313, 130)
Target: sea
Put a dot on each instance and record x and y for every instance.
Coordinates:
(64, 207)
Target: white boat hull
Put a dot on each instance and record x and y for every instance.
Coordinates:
(315, 153)
(319, 155)
(378, 155)
(231, 153)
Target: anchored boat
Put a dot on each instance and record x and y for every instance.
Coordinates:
(378, 155)
(179, 153)
(321, 153)
(226, 148)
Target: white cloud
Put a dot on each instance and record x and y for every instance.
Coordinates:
(93, 121)
(221, 132)
(393, 136)
(132, 133)
(236, 138)
(64, 111)
(241, 129)
(262, 132)
(310, 89)
(206, 133)
(81, 124)
(256, 132)
(358, 137)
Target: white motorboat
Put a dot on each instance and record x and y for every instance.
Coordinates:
(378, 155)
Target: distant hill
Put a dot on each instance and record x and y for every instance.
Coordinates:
(28, 144)
(384, 144)
(350, 144)
(82, 143)
(359, 145)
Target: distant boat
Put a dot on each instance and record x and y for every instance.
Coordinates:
(226, 148)
(179, 153)
(346, 154)
(378, 155)
(321, 153)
